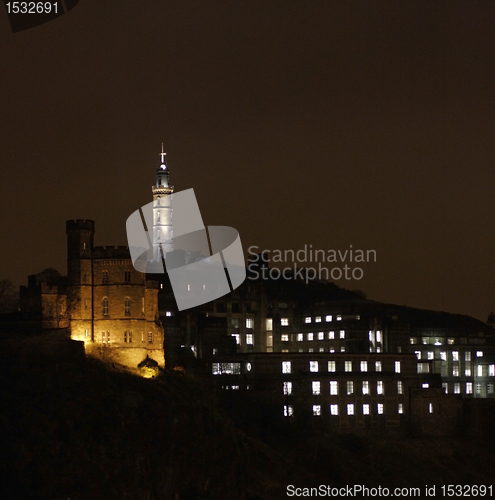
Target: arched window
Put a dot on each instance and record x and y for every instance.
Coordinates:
(104, 306)
(127, 306)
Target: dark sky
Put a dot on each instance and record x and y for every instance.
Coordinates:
(297, 122)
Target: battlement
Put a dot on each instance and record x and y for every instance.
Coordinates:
(111, 252)
(80, 224)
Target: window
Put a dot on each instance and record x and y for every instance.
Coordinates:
(315, 386)
(328, 317)
(104, 277)
(127, 306)
(413, 340)
(318, 319)
(378, 366)
(478, 388)
(491, 370)
(307, 319)
(331, 335)
(350, 387)
(399, 387)
(127, 276)
(331, 366)
(334, 409)
(489, 388)
(431, 355)
(350, 409)
(237, 338)
(425, 385)
(479, 354)
(379, 387)
(479, 370)
(397, 367)
(430, 407)
(378, 336)
(249, 322)
(104, 306)
(467, 371)
(467, 356)
(366, 409)
(313, 366)
(288, 411)
(339, 317)
(300, 337)
(316, 410)
(348, 366)
(249, 338)
(418, 354)
(150, 337)
(400, 408)
(342, 348)
(334, 388)
(226, 368)
(443, 356)
(366, 387)
(451, 341)
(342, 334)
(423, 368)
(457, 388)
(287, 388)
(455, 355)
(364, 366)
(455, 371)
(445, 387)
(321, 349)
(321, 336)
(284, 321)
(380, 408)
(269, 324)
(469, 387)
(309, 336)
(126, 336)
(286, 366)
(284, 337)
(168, 314)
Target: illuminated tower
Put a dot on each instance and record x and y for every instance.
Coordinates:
(162, 210)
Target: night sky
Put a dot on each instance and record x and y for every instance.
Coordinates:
(328, 124)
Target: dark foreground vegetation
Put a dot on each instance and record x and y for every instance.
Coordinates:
(79, 429)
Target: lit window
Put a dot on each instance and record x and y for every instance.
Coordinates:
(378, 366)
(104, 277)
(418, 354)
(455, 355)
(455, 371)
(287, 388)
(457, 388)
(425, 340)
(315, 385)
(399, 387)
(334, 409)
(334, 388)
(316, 410)
(423, 368)
(309, 336)
(288, 411)
(480, 370)
(379, 387)
(342, 334)
(451, 341)
(491, 370)
(318, 319)
(331, 350)
(307, 319)
(168, 314)
(331, 366)
(328, 317)
(331, 335)
(350, 409)
(104, 305)
(364, 366)
(443, 356)
(348, 366)
(342, 348)
(478, 388)
(286, 367)
(321, 349)
(269, 324)
(321, 336)
(313, 366)
(237, 338)
(339, 317)
(249, 338)
(430, 407)
(284, 337)
(397, 367)
(284, 321)
(350, 387)
(431, 355)
(127, 306)
(413, 340)
(378, 336)
(469, 387)
(400, 409)
(366, 409)
(426, 385)
(379, 408)
(366, 387)
(249, 322)
(467, 372)
(445, 387)
(479, 354)
(150, 337)
(467, 356)
(489, 388)
(300, 337)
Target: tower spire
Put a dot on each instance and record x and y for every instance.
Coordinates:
(163, 155)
